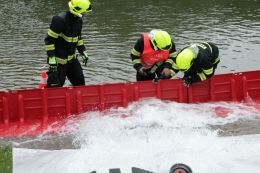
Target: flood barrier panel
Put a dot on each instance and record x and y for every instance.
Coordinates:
(39, 107)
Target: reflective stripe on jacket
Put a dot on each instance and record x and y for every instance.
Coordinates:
(64, 37)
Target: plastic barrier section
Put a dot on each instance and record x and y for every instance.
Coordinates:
(21, 109)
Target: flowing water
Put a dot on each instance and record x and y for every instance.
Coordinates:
(153, 135)
(112, 28)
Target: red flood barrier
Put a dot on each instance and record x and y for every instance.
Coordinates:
(24, 109)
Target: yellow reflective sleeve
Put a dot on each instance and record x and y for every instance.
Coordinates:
(169, 61)
(49, 47)
(172, 72)
(209, 46)
(159, 63)
(80, 43)
(202, 76)
(217, 60)
(153, 69)
(52, 60)
(174, 66)
(53, 34)
(137, 61)
(208, 71)
(134, 52)
(155, 66)
(69, 39)
(173, 54)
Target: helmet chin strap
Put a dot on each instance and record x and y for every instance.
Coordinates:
(76, 14)
(80, 15)
(155, 47)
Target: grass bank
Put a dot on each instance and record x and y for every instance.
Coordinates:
(6, 159)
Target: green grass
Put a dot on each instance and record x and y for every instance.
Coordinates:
(6, 159)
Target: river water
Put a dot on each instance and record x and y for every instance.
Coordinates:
(112, 28)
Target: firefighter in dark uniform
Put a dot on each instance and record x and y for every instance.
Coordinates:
(198, 62)
(150, 53)
(63, 38)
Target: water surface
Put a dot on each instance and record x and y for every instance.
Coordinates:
(111, 30)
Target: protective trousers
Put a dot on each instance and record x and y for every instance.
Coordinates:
(72, 70)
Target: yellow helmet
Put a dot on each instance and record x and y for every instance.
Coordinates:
(78, 7)
(186, 57)
(161, 39)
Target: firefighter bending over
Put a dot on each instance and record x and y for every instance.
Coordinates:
(150, 54)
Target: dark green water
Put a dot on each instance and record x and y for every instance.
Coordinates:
(110, 32)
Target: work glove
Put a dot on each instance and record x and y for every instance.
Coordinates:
(52, 64)
(187, 81)
(163, 76)
(85, 57)
(160, 77)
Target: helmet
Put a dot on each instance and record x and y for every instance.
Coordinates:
(160, 39)
(180, 168)
(78, 7)
(186, 57)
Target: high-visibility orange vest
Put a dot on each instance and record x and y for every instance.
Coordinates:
(150, 56)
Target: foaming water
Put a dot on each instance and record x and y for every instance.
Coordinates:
(153, 135)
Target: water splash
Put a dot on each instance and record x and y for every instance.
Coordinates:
(153, 135)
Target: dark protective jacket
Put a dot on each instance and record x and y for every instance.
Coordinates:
(204, 65)
(64, 37)
(138, 50)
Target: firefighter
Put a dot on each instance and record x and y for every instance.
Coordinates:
(150, 53)
(198, 62)
(61, 42)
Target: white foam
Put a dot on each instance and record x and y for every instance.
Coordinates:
(152, 135)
